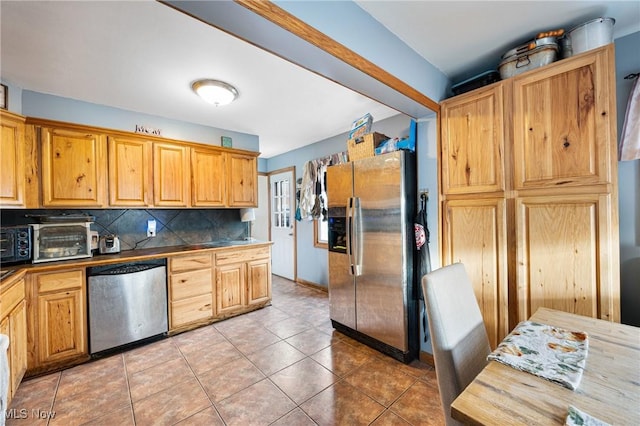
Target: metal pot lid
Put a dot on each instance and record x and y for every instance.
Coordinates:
(530, 46)
(528, 53)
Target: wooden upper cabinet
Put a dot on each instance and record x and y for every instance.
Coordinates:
(12, 161)
(171, 175)
(242, 178)
(208, 178)
(564, 123)
(472, 142)
(130, 181)
(74, 164)
(91, 167)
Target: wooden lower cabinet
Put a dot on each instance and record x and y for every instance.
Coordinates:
(565, 259)
(243, 279)
(59, 323)
(475, 234)
(258, 281)
(190, 290)
(230, 285)
(13, 323)
(203, 287)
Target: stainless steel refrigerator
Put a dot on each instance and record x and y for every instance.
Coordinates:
(372, 295)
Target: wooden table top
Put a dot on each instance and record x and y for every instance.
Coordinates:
(609, 389)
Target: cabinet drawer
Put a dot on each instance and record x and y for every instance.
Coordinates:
(12, 297)
(189, 284)
(241, 255)
(186, 263)
(57, 281)
(192, 309)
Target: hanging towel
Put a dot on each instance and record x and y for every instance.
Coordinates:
(307, 197)
(630, 139)
(4, 377)
(422, 256)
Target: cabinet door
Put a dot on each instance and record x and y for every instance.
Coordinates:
(230, 288)
(61, 326)
(566, 256)
(61, 315)
(18, 333)
(242, 180)
(74, 165)
(474, 233)
(130, 167)
(473, 142)
(12, 162)
(208, 178)
(564, 123)
(171, 175)
(5, 328)
(258, 281)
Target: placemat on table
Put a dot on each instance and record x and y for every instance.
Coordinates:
(576, 417)
(549, 352)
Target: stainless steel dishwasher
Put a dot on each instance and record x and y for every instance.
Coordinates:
(127, 303)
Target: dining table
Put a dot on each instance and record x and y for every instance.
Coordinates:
(609, 389)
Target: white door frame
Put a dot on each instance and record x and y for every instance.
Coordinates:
(260, 229)
(293, 204)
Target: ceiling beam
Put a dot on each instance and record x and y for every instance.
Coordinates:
(283, 34)
(289, 22)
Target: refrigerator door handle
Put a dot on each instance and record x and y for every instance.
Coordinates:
(356, 240)
(349, 226)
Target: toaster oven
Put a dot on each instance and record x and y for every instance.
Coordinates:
(61, 241)
(15, 244)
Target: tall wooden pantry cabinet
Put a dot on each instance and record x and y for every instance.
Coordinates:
(529, 191)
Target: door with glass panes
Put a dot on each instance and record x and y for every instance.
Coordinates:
(282, 193)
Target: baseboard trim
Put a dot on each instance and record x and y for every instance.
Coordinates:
(314, 286)
(427, 358)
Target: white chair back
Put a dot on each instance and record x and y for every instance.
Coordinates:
(459, 338)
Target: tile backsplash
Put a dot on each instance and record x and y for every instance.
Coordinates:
(173, 227)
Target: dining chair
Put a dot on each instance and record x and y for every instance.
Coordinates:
(459, 338)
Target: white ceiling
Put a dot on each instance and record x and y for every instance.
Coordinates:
(464, 38)
(143, 56)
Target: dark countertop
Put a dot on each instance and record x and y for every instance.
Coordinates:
(131, 255)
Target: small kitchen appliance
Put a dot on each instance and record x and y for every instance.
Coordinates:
(15, 244)
(61, 241)
(109, 244)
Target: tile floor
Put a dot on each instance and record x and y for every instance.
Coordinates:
(280, 365)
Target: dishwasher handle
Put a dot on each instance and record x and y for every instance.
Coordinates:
(124, 268)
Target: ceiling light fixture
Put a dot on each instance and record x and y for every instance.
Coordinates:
(215, 92)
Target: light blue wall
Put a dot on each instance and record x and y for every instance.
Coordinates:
(14, 98)
(627, 62)
(40, 105)
(351, 26)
